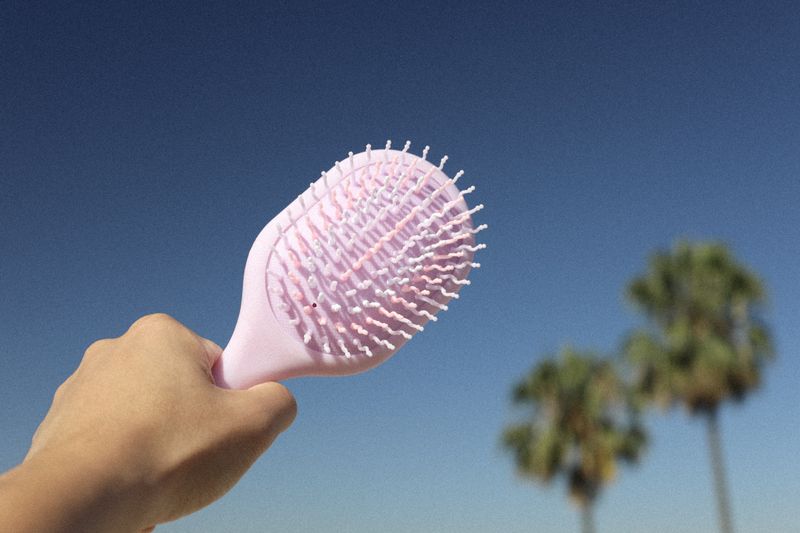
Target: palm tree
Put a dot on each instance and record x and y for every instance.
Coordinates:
(704, 344)
(580, 425)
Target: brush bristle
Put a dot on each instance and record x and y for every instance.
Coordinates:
(370, 252)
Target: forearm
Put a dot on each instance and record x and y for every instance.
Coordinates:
(65, 494)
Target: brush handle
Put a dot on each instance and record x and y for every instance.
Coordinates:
(260, 348)
(261, 351)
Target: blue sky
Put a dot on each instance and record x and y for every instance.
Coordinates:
(143, 148)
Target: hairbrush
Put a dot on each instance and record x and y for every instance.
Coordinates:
(348, 272)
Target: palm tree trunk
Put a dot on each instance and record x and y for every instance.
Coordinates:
(587, 519)
(715, 447)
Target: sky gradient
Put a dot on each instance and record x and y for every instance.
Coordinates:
(143, 148)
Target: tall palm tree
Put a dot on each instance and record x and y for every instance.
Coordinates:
(580, 424)
(705, 343)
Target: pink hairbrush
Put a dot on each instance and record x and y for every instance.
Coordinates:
(351, 270)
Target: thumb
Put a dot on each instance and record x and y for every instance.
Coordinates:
(268, 408)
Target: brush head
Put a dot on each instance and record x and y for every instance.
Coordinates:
(353, 268)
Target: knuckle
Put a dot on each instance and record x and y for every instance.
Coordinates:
(160, 325)
(154, 320)
(35, 435)
(59, 391)
(289, 401)
(285, 404)
(155, 323)
(96, 348)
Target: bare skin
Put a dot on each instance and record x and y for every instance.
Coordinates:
(140, 435)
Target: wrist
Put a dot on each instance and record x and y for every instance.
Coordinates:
(70, 491)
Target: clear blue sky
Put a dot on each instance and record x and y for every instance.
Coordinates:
(142, 148)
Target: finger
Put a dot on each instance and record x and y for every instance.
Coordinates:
(268, 409)
(212, 350)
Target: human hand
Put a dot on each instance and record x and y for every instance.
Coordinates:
(139, 435)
